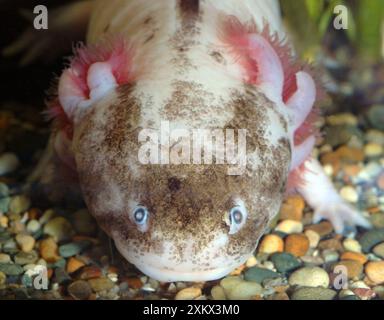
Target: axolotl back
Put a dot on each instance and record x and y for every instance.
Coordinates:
(132, 104)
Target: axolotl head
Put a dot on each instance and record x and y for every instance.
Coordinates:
(181, 221)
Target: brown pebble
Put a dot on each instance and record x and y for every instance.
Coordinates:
(34, 214)
(134, 283)
(354, 268)
(331, 158)
(281, 289)
(80, 290)
(333, 243)
(359, 257)
(350, 155)
(297, 244)
(74, 264)
(292, 208)
(16, 227)
(375, 271)
(49, 250)
(26, 242)
(379, 250)
(90, 272)
(323, 228)
(101, 284)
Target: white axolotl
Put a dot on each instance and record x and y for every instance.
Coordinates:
(208, 64)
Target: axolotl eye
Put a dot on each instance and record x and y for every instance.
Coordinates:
(140, 217)
(237, 218)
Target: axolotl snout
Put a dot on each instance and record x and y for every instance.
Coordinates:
(219, 65)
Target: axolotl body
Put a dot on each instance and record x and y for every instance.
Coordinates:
(191, 64)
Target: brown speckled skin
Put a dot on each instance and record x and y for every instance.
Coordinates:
(188, 205)
(183, 200)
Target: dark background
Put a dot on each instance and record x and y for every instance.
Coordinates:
(25, 84)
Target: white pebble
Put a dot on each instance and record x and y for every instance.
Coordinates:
(373, 150)
(251, 262)
(313, 238)
(352, 245)
(33, 226)
(328, 169)
(346, 293)
(349, 194)
(359, 285)
(290, 226)
(309, 277)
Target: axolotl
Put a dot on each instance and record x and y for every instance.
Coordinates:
(193, 64)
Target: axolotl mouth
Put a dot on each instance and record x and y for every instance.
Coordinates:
(164, 267)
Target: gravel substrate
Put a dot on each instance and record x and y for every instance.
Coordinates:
(295, 260)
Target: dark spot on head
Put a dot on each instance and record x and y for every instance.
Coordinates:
(147, 20)
(174, 184)
(189, 7)
(150, 37)
(106, 28)
(218, 57)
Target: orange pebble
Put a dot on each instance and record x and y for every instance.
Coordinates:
(271, 243)
(48, 250)
(238, 270)
(74, 264)
(348, 154)
(355, 256)
(352, 170)
(297, 244)
(375, 271)
(292, 208)
(354, 268)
